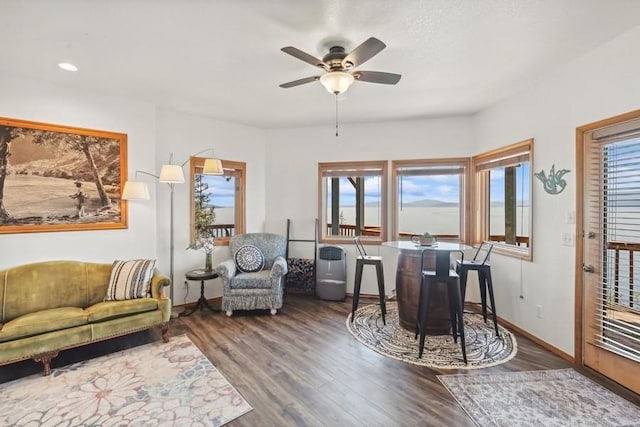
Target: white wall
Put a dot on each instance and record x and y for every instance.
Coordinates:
(599, 85)
(42, 102)
(186, 134)
(292, 175)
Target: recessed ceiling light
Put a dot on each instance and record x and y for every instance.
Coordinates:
(67, 66)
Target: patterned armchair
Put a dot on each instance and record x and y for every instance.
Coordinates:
(250, 284)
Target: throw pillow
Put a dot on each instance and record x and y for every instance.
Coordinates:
(130, 279)
(249, 259)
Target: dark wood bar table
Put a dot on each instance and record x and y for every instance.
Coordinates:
(409, 275)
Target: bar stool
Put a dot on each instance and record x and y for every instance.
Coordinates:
(362, 260)
(483, 268)
(452, 280)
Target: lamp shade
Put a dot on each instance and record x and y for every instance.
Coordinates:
(171, 174)
(135, 190)
(212, 167)
(336, 81)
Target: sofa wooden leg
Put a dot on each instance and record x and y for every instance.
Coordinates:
(45, 358)
(165, 332)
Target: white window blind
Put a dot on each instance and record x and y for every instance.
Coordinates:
(613, 210)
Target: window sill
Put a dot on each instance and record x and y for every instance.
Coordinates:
(512, 251)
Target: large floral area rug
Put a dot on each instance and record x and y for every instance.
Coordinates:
(484, 348)
(560, 397)
(157, 384)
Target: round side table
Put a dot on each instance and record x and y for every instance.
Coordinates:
(202, 302)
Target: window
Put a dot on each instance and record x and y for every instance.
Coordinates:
(431, 196)
(502, 198)
(352, 201)
(217, 201)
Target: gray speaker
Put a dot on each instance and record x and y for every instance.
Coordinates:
(331, 273)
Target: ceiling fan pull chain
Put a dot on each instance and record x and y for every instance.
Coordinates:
(336, 113)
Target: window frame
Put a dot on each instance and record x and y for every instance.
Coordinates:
(480, 165)
(239, 170)
(324, 168)
(465, 192)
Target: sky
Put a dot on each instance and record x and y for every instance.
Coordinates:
(445, 188)
(442, 187)
(221, 192)
(497, 183)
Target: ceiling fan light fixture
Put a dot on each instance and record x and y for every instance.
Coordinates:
(337, 82)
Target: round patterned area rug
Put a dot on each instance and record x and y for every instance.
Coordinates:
(484, 349)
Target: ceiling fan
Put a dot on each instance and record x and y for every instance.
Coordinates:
(339, 66)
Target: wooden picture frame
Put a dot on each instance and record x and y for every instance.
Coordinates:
(60, 178)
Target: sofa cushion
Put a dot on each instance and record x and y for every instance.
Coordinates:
(111, 309)
(249, 259)
(130, 279)
(257, 280)
(43, 321)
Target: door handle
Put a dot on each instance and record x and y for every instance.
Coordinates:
(588, 268)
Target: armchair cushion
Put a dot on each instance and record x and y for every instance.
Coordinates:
(256, 280)
(249, 259)
(130, 279)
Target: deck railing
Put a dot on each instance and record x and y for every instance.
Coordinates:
(220, 230)
(623, 284)
(522, 241)
(349, 230)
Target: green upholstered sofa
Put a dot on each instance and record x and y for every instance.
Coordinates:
(56, 305)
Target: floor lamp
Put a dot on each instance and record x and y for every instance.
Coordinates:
(171, 175)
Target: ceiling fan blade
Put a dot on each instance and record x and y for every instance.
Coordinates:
(367, 50)
(299, 82)
(377, 77)
(303, 56)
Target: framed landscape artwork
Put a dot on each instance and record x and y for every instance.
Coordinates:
(60, 178)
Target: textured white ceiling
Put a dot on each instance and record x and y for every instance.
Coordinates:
(222, 58)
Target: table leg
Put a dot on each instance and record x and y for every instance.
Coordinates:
(201, 303)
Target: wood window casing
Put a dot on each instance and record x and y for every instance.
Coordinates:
(234, 169)
(451, 166)
(506, 157)
(355, 172)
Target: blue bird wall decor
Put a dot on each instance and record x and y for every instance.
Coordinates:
(554, 183)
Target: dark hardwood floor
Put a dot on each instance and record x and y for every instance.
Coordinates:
(303, 368)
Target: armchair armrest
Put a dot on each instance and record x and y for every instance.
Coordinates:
(226, 270)
(279, 267)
